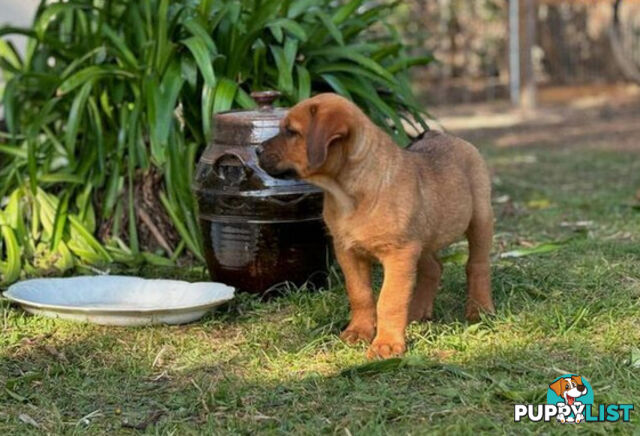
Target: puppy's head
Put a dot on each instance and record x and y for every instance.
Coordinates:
(310, 138)
(569, 388)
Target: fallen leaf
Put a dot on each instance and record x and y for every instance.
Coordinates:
(635, 358)
(86, 420)
(261, 417)
(28, 420)
(542, 203)
(152, 418)
(517, 159)
(538, 249)
(526, 243)
(619, 236)
(579, 224)
(55, 353)
(457, 258)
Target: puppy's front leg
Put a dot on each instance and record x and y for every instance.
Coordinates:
(393, 305)
(357, 273)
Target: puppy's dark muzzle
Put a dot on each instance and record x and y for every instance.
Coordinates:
(268, 161)
(265, 161)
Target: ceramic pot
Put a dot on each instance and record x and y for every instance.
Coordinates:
(258, 231)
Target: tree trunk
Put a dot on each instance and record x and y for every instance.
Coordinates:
(629, 69)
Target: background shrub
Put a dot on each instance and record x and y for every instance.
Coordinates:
(112, 102)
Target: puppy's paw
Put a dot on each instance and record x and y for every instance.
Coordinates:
(354, 334)
(474, 310)
(384, 349)
(424, 318)
(420, 315)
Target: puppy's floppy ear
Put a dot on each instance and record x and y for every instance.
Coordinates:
(577, 379)
(556, 386)
(326, 126)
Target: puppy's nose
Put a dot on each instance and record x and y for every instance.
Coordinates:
(259, 150)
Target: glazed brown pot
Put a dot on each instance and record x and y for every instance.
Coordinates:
(258, 231)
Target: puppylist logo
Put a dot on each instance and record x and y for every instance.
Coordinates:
(570, 400)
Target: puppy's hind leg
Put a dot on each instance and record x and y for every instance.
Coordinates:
(480, 237)
(427, 283)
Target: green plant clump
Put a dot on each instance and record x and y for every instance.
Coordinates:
(112, 102)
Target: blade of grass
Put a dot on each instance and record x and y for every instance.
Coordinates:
(92, 73)
(96, 124)
(244, 100)
(12, 266)
(346, 11)
(225, 94)
(121, 46)
(198, 31)
(193, 246)
(75, 117)
(85, 235)
(203, 58)
(293, 28)
(285, 79)
(10, 54)
(354, 55)
(330, 25)
(208, 94)
(304, 82)
(60, 220)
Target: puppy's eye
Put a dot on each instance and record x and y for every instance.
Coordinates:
(290, 132)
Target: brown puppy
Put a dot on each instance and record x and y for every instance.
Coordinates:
(395, 206)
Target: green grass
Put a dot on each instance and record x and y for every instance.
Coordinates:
(278, 366)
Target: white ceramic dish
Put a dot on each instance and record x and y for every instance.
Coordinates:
(119, 300)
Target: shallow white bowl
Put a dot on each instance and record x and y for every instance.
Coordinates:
(119, 300)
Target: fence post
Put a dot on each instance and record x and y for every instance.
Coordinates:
(514, 52)
(527, 19)
(522, 24)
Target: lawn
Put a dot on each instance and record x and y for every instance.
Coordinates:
(279, 366)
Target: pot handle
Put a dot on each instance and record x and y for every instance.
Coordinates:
(231, 168)
(265, 99)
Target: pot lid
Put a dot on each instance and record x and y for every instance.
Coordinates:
(246, 127)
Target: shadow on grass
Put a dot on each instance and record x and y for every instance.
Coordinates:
(278, 366)
(104, 380)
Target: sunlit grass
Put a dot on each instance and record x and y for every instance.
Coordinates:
(278, 366)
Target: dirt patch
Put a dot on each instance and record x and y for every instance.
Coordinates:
(605, 118)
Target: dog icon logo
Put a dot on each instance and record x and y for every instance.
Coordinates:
(570, 399)
(571, 393)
